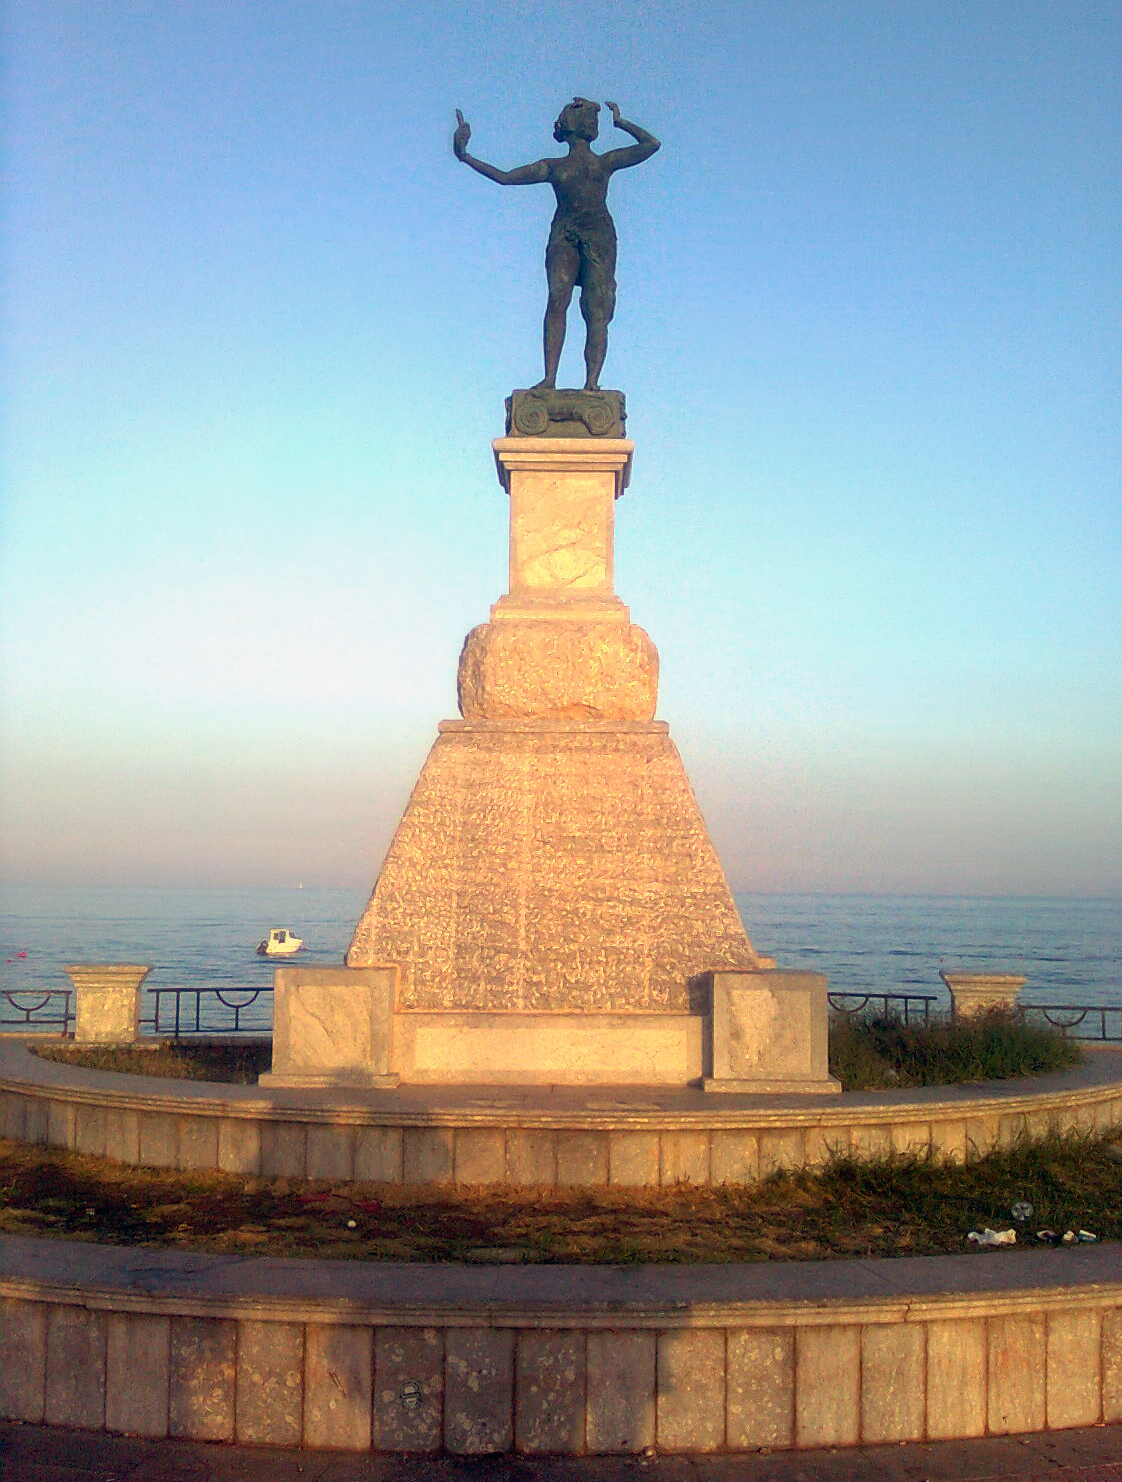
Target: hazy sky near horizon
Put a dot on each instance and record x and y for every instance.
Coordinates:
(261, 325)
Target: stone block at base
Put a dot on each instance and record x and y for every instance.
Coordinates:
(332, 1026)
(769, 1034)
(982, 993)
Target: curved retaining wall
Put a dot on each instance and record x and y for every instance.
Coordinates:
(627, 1136)
(557, 1359)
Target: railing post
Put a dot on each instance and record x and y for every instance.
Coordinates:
(978, 993)
(107, 1001)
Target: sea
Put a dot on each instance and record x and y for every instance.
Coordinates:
(1069, 950)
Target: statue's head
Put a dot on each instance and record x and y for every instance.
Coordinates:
(577, 120)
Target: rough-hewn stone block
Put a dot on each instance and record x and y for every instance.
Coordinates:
(480, 1155)
(378, 1155)
(761, 1387)
(684, 1158)
(338, 1386)
(621, 1392)
(1074, 1381)
(330, 1153)
(89, 1130)
(159, 1142)
(239, 1145)
(734, 1157)
(201, 1401)
(75, 1389)
(138, 1356)
(408, 1389)
(550, 1390)
(1112, 1365)
(60, 1124)
(827, 1386)
(893, 1382)
(122, 1135)
(530, 1158)
(198, 1142)
(872, 1140)
(1016, 1374)
(911, 1138)
(691, 1389)
(479, 1391)
(956, 1378)
(284, 1150)
(427, 1155)
(633, 1159)
(781, 1149)
(582, 1158)
(270, 1384)
(23, 1359)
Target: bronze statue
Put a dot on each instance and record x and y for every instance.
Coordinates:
(582, 239)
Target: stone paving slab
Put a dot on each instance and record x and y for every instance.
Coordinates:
(44, 1454)
(662, 1289)
(600, 1105)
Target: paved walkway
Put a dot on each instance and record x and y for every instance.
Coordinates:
(32, 1453)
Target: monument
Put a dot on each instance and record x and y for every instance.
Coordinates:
(551, 909)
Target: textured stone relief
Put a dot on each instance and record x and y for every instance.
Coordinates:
(558, 671)
(553, 868)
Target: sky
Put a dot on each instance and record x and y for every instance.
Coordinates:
(260, 325)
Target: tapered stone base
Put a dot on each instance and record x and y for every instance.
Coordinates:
(552, 866)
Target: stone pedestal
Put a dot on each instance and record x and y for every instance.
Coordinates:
(332, 1026)
(769, 1034)
(978, 993)
(107, 1001)
(551, 897)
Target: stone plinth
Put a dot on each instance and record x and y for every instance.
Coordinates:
(332, 1026)
(107, 1001)
(552, 866)
(546, 412)
(769, 1034)
(978, 993)
(562, 495)
(551, 896)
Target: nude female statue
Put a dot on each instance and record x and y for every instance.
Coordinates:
(582, 239)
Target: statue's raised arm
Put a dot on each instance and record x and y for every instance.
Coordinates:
(582, 240)
(535, 174)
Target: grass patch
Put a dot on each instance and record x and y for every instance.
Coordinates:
(181, 1060)
(889, 1207)
(872, 1052)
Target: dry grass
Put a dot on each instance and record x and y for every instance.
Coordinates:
(895, 1206)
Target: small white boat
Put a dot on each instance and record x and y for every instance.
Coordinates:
(280, 943)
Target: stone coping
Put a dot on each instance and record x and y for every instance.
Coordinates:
(772, 1294)
(557, 1106)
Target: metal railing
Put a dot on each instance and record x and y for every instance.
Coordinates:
(1080, 1021)
(916, 1006)
(17, 1016)
(174, 1015)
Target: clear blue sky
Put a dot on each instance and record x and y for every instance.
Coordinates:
(261, 325)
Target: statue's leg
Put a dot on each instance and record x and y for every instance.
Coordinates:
(597, 305)
(562, 264)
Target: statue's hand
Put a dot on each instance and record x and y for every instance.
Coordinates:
(461, 136)
(615, 112)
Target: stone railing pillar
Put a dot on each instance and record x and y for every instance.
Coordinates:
(978, 993)
(107, 1001)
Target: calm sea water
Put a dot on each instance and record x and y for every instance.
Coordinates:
(1069, 950)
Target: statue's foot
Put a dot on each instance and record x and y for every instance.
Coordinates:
(592, 385)
(548, 384)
